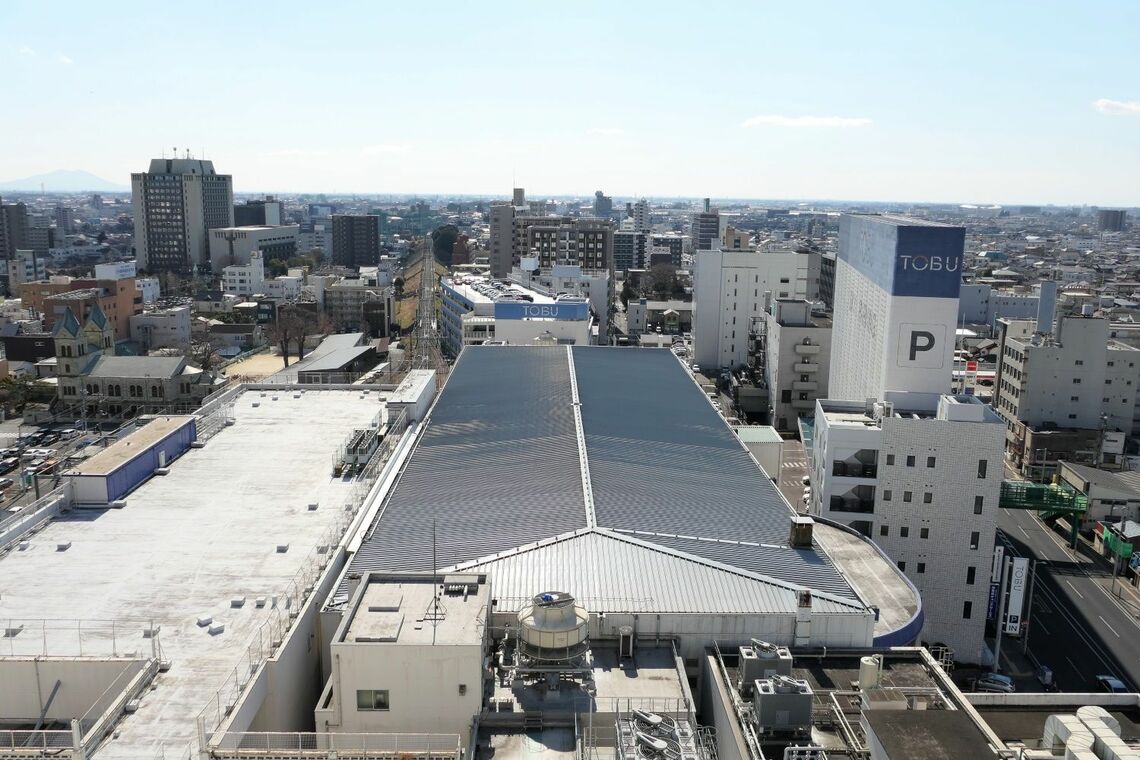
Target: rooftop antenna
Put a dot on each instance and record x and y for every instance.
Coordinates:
(435, 611)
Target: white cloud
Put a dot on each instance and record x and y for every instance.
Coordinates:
(383, 150)
(1118, 107)
(25, 50)
(805, 121)
(65, 60)
(607, 131)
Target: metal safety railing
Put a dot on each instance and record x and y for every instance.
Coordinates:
(64, 637)
(1046, 497)
(403, 746)
(24, 743)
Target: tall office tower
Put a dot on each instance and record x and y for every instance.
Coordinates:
(265, 212)
(706, 228)
(641, 221)
(64, 220)
(896, 306)
(177, 201)
(603, 205)
(355, 240)
(501, 255)
(3, 231)
(1110, 220)
(518, 197)
(14, 228)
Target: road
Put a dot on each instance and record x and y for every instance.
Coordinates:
(1076, 626)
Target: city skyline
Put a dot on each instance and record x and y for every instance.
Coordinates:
(984, 104)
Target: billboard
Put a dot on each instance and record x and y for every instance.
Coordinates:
(573, 311)
(1018, 579)
(904, 257)
(995, 582)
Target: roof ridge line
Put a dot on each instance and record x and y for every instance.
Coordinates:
(580, 434)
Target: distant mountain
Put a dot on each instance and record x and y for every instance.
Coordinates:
(63, 181)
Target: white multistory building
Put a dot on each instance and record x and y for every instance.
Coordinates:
(893, 454)
(23, 267)
(731, 288)
(924, 485)
(245, 280)
(795, 343)
(896, 306)
(233, 245)
(162, 328)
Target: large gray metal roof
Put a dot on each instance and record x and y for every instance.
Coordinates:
(630, 574)
(499, 467)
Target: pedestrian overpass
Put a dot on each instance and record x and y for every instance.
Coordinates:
(1047, 499)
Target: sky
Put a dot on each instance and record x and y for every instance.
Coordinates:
(978, 102)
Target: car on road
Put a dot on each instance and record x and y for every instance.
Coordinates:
(1111, 684)
(6, 483)
(995, 682)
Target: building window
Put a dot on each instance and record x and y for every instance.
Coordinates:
(884, 530)
(904, 532)
(924, 533)
(921, 568)
(1079, 362)
(978, 503)
(907, 495)
(902, 565)
(910, 461)
(1076, 381)
(971, 572)
(930, 461)
(890, 459)
(967, 610)
(371, 699)
(887, 495)
(975, 538)
(983, 465)
(927, 497)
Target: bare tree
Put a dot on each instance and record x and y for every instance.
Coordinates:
(203, 352)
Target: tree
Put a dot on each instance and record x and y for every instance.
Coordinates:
(626, 294)
(398, 286)
(663, 280)
(17, 390)
(203, 352)
(442, 241)
(292, 325)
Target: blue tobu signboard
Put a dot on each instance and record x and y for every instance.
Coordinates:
(566, 312)
(904, 259)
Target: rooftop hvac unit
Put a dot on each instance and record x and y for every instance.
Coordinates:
(884, 699)
(763, 660)
(782, 705)
(553, 628)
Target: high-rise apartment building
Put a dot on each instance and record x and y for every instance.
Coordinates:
(355, 240)
(603, 205)
(502, 239)
(630, 249)
(641, 220)
(731, 288)
(177, 201)
(896, 306)
(1072, 390)
(1110, 220)
(587, 243)
(793, 347)
(706, 228)
(64, 220)
(13, 228)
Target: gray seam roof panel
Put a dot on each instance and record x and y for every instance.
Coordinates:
(498, 467)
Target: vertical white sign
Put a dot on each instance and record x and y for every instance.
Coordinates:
(1019, 577)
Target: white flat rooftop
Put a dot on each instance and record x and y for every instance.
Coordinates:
(186, 545)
